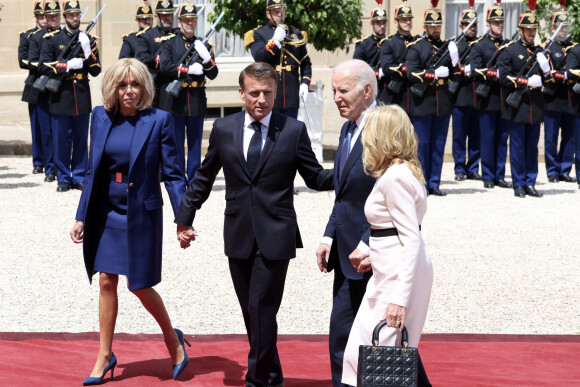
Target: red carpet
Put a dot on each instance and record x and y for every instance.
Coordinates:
(60, 359)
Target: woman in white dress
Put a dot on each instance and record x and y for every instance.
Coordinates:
(400, 287)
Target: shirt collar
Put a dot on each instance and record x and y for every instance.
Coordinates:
(264, 121)
(360, 121)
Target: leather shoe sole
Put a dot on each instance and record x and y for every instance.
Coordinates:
(519, 192)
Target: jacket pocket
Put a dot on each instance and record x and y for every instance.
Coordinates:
(230, 211)
(153, 204)
(284, 212)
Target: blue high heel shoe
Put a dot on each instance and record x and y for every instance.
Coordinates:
(178, 368)
(92, 380)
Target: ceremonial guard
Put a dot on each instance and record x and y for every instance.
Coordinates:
(573, 79)
(431, 105)
(40, 155)
(51, 11)
(494, 129)
(368, 50)
(71, 105)
(151, 39)
(190, 107)
(558, 113)
(284, 48)
(144, 19)
(525, 117)
(465, 114)
(393, 56)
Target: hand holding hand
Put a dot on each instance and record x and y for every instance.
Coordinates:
(322, 255)
(360, 261)
(279, 35)
(76, 233)
(442, 72)
(395, 316)
(453, 53)
(202, 51)
(195, 69)
(74, 64)
(303, 92)
(543, 62)
(535, 81)
(185, 235)
(85, 44)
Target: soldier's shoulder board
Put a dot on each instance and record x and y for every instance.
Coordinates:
(34, 32)
(476, 40)
(390, 36)
(249, 37)
(384, 39)
(305, 36)
(129, 34)
(94, 37)
(358, 41)
(572, 45)
(413, 42)
(506, 45)
(143, 31)
(166, 38)
(49, 34)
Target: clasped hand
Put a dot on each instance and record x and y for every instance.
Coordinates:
(185, 235)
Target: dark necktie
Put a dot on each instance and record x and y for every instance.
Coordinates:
(345, 148)
(255, 147)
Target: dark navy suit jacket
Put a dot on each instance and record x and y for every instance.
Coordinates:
(153, 145)
(259, 207)
(348, 224)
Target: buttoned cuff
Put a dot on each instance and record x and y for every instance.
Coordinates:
(326, 240)
(363, 248)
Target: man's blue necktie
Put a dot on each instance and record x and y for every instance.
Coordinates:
(255, 147)
(345, 147)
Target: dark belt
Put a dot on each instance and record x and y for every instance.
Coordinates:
(77, 76)
(385, 232)
(119, 178)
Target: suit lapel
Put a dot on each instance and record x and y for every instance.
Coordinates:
(101, 137)
(271, 138)
(354, 155)
(142, 130)
(238, 135)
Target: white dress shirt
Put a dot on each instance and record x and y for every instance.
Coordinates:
(249, 131)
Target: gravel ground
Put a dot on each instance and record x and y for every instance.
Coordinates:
(502, 264)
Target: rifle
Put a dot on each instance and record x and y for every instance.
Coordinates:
(454, 85)
(54, 83)
(419, 88)
(395, 85)
(174, 88)
(40, 83)
(550, 88)
(484, 88)
(514, 99)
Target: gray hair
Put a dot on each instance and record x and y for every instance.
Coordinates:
(361, 71)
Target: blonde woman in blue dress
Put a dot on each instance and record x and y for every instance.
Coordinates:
(400, 288)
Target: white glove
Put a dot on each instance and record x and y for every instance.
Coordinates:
(85, 44)
(74, 64)
(303, 92)
(381, 74)
(543, 62)
(195, 69)
(202, 51)
(442, 72)
(535, 81)
(497, 72)
(453, 53)
(279, 35)
(467, 70)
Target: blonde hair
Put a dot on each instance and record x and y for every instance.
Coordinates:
(117, 73)
(389, 138)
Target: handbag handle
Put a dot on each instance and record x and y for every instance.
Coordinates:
(380, 325)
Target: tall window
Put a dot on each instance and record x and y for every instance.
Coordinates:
(227, 44)
(453, 9)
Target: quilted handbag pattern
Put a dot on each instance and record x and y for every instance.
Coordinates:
(387, 366)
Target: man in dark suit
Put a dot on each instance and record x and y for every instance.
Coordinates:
(260, 152)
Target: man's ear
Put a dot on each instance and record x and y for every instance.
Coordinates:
(242, 95)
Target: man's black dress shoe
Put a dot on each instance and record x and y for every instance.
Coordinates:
(37, 169)
(502, 184)
(436, 191)
(488, 184)
(567, 179)
(531, 191)
(474, 176)
(553, 179)
(460, 176)
(49, 178)
(78, 186)
(62, 187)
(519, 192)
